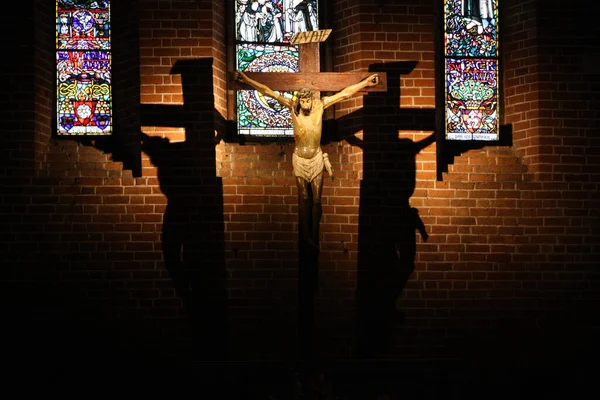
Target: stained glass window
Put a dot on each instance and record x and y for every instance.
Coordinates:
(264, 29)
(83, 65)
(471, 70)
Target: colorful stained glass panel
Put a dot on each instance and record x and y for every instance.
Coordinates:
(471, 28)
(83, 62)
(264, 29)
(472, 106)
(258, 114)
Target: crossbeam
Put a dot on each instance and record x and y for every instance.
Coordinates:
(317, 81)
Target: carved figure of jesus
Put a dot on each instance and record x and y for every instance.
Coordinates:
(308, 160)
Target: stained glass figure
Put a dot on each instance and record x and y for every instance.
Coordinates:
(471, 28)
(83, 64)
(264, 29)
(471, 69)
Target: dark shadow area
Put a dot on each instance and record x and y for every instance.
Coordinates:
(80, 306)
(193, 228)
(387, 222)
(69, 332)
(57, 301)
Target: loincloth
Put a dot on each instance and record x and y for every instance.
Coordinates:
(309, 168)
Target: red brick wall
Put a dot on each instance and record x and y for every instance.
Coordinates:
(521, 80)
(508, 268)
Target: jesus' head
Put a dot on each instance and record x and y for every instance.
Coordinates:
(304, 101)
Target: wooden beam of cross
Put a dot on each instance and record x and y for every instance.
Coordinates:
(310, 74)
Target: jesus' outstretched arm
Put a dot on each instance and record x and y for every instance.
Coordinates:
(263, 89)
(350, 90)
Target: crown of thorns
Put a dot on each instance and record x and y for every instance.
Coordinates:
(304, 93)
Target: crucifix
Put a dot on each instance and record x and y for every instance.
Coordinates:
(308, 160)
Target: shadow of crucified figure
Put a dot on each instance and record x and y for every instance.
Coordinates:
(387, 247)
(192, 236)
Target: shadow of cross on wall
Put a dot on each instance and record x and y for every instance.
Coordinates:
(193, 227)
(387, 223)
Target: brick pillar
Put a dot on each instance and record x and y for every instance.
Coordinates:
(522, 80)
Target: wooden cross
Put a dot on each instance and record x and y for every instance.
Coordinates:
(310, 76)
